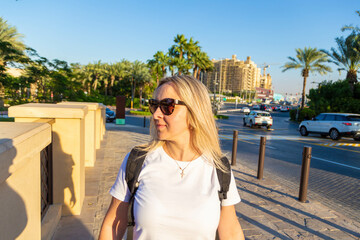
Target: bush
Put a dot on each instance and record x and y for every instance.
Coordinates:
(145, 109)
(140, 113)
(10, 119)
(304, 114)
(221, 117)
(136, 102)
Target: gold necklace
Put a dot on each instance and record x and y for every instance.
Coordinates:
(182, 169)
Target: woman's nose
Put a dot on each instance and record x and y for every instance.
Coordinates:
(158, 113)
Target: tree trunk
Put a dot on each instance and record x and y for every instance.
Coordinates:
(140, 95)
(303, 93)
(132, 93)
(195, 71)
(111, 84)
(163, 70)
(351, 77)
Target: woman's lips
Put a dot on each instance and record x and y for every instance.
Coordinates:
(160, 126)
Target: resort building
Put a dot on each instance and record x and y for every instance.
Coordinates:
(236, 76)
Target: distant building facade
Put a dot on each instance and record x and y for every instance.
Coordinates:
(235, 76)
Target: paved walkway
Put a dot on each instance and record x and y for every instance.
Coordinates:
(268, 210)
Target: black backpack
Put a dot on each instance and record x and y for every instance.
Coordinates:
(133, 168)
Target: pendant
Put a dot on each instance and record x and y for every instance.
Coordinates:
(182, 173)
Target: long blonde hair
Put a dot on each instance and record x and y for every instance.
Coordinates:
(204, 135)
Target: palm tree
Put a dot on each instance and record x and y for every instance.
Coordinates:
(158, 64)
(121, 70)
(155, 69)
(351, 27)
(11, 45)
(308, 60)
(347, 57)
(201, 62)
(181, 44)
(162, 60)
(191, 47)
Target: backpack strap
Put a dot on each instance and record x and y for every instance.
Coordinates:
(133, 168)
(224, 179)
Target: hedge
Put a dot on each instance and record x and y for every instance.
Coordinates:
(304, 114)
(143, 113)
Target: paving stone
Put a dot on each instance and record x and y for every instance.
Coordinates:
(268, 209)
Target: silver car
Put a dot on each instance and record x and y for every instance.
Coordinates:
(258, 118)
(335, 125)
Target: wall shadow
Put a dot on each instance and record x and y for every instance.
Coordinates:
(287, 220)
(11, 202)
(67, 166)
(70, 226)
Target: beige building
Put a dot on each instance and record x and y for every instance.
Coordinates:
(233, 75)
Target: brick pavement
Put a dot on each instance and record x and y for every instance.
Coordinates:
(268, 210)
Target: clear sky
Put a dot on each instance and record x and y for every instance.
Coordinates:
(86, 31)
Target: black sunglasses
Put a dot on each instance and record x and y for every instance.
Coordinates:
(167, 105)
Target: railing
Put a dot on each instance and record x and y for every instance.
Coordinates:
(46, 179)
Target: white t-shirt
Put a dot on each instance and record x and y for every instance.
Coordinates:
(167, 206)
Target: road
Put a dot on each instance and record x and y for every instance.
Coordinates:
(335, 167)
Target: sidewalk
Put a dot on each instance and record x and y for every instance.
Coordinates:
(267, 210)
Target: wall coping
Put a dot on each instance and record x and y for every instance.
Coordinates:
(48, 110)
(18, 142)
(91, 105)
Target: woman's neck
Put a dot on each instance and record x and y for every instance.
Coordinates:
(180, 152)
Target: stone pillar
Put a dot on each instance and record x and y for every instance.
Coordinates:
(68, 149)
(20, 178)
(91, 126)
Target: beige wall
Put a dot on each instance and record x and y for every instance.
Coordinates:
(20, 202)
(68, 149)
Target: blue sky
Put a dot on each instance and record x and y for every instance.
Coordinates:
(110, 30)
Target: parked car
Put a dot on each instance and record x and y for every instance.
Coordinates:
(245, 110)
(335, 125)
(277, 108)
(258, 118)
(264, 107)
(284, 108)
(110, 115)
(256, 107)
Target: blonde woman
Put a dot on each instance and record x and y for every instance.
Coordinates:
(177, 197)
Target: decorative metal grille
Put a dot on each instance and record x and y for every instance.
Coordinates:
(46, 179)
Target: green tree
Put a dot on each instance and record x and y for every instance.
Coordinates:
(308, 60)
(11, 45)
(335, 97)
(347, 57)
(139, 76)
(351, 27)
(158, 65)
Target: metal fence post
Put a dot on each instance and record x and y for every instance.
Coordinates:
(305, 167)
(144, 121)
(234, 148)
(261, 158)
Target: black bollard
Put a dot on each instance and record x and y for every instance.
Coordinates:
(304, 180)
(234, 148)
(261, 157)
(144, 121)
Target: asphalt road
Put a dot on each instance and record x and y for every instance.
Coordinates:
(335, 167)
(334, 170)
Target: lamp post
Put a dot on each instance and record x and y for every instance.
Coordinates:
(220, 81)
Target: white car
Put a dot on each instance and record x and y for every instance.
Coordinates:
(335, 125)
(245, 110)
(258, 118)
(284, 109)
